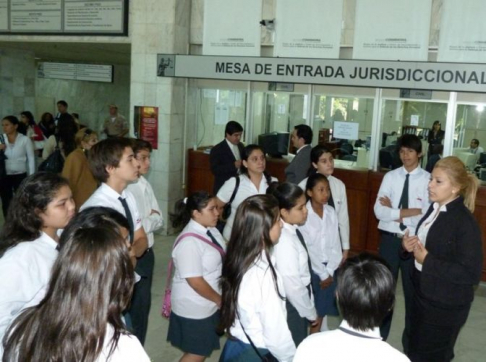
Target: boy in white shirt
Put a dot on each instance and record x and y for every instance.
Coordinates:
(152, 220)
(113, 163)
(402, 200)
(365, 293)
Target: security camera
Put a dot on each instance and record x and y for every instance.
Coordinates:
(268, 23)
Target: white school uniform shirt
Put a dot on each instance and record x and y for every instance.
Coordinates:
(26, 270)
(338, 191)
(262, 311)
(20, 155)
(194, 258)
(106, 196)
(337, 345)
(245, 190)
(146, 202)
(128, 348)
(322, 239)
(418, 198)
(291, 261)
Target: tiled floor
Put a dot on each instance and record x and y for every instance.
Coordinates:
(470, 347)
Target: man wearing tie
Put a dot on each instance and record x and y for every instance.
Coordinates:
(225, 157)
(402, 200)
(297, 170)
(114, 165)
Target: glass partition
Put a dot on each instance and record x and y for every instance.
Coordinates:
(470, 136)
(399, 117)
(215, 108)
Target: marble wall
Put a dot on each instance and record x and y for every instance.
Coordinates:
(17, 82)
(89, 99)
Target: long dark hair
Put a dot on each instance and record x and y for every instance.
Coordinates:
(30, 117)
(250, 236)
(23, 222)
(184, 208)
(247, 151)
(66, 131)
(91, 285)
(286, 194)
(316, 153)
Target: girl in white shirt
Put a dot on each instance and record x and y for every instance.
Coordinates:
(321, 234)
(91, 284)
(196, 297)
(253, 181)
(322, 161)
(42, 205)
(253, 309)
(292, 260)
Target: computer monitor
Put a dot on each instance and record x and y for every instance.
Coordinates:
(469, 159)
(275, 144)
(482, 158)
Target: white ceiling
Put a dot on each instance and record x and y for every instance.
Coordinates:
(75, 52)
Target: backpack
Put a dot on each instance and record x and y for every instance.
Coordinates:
(55, 162)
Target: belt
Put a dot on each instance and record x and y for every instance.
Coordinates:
(395, 235)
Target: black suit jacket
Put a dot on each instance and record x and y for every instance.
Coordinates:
(297, 170)
(455, 258)
(222, 163)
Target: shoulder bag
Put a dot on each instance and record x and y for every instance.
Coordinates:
(227, 208)
(55, 162)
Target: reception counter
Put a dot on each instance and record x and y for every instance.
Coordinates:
(362, 187)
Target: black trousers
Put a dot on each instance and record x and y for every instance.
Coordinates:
(9, 184)
(434, 327)
(141, 299)
(390, 248)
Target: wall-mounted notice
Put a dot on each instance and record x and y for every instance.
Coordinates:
(321, 35)
(64, 17)
(146, 124)
(86, 72)
(392, 29)
(346, 130)
(462, 32)
(232, 27)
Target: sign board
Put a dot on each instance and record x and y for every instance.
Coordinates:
(460, 77)
(415, 94)
(64, 17)
(345, 130)
(146, 124)
(71, 71)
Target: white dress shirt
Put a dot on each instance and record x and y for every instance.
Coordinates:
(392, 187)
(291, 261)
(425, 227)
(338, 191)
(337, 345)
(194, 258)
(245, 190)
(128, 349)
(322, 239)
(20, 155)
(476, 150)
(262, 311)
(25, 270)
(146, 202)
(234, 149)
(106, 196)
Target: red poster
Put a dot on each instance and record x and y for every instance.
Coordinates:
(147, 124)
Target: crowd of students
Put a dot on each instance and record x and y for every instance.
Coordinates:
(80, 282)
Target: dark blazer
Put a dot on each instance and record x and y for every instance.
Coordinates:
(222, 163)
(455, 258)
(297, 170)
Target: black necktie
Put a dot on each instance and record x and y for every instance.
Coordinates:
(301, 238)
(213, 239)
(404, 199)
(128, 215)
(330, 202)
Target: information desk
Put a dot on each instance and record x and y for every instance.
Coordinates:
(362, 188)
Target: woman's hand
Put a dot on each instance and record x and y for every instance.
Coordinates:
(326, 283)
(409, 242)
(420, 253)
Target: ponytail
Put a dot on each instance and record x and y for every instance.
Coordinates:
(184, 208)
(469, 192)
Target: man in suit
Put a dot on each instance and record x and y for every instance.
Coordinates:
(297, 170)
(225, 157)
